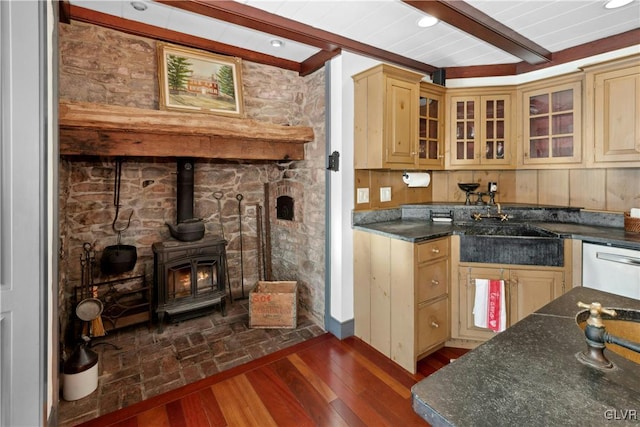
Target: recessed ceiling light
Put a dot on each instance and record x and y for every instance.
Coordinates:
(277, 43)
(613, 4)
(427, 21)
(138, 5)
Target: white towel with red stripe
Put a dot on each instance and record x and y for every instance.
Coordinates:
(489, 309)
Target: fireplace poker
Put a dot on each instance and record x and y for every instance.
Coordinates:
(240, 197)
(218, 196)
(267, 234)
(260, 262)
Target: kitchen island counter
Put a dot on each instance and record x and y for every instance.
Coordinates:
(529, 375)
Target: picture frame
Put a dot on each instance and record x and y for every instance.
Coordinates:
(199, 81)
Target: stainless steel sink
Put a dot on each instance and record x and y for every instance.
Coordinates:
(510, 244)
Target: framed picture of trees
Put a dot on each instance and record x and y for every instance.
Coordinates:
(194, 80)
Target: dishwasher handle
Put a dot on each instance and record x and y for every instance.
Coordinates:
(619, 258)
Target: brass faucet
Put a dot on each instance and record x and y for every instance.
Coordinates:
(499, 214)
(596, 337)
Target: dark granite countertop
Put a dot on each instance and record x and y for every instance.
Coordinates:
(417, 230)
(410, 230)
(593, 234)
(528, 375)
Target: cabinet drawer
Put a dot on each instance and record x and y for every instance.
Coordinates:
(433, 324)
(432, 280)
(433, 249)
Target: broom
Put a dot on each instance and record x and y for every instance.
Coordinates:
(97, 327)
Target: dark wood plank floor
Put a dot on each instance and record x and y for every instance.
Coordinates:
(321, 382)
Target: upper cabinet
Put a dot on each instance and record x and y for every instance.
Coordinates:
(386, 116)
(430, 153)
(480, 131)
(550, 120)
(588, 119)
(612, 128)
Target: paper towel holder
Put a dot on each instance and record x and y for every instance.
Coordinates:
(406, 178)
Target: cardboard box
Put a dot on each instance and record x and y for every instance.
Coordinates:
(274, 305)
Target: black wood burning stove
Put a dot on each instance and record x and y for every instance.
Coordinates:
(189, 278)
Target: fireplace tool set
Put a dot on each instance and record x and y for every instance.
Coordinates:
(239, 197)
(261, 264)
(89, 309)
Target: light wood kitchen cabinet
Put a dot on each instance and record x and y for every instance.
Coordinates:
(550, 120)
(431, 119)
(612, 127)
(481, 129)
(401, 289)
(526, 290)
(386, 118)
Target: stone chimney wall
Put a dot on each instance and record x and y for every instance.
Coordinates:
(105, 66)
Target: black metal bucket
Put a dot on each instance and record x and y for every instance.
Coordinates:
(118, 259)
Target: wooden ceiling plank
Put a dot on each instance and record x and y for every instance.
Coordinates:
(478, 24)
(144, 30)
(608, 44)
(596, 47)
(259, 20)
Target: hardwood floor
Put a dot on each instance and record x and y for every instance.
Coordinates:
(320, 382)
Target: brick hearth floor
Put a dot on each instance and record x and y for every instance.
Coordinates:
(149, 363)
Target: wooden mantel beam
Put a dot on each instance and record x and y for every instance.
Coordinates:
(107, 130)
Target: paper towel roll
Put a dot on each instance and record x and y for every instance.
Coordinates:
(416, 179)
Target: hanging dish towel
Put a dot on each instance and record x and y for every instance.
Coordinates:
(489, 309)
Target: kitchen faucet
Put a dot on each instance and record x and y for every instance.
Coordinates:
(597, 336)
(499, 214)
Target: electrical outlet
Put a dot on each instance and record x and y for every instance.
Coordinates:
(362, 195)
(385, 194)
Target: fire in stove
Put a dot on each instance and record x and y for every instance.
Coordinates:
(180, 282)
(189, 278)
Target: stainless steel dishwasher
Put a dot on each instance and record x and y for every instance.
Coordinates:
(611, 269)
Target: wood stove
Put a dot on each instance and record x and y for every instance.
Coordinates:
(189, 278)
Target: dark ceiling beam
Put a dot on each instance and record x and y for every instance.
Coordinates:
(63, 11)
(259, 20)
(608, 44)
(144, 30)
(317, 61)
(480, 25)
(596, 47)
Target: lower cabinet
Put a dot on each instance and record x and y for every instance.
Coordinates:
(401, 296)
(526, 290)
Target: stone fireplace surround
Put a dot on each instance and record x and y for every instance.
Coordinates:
(123, 72)
(148, 191)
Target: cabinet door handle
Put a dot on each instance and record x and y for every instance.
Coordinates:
(435, 250)
(435, 282)
(434, 324)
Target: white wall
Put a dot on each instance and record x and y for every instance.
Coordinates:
(342, 68)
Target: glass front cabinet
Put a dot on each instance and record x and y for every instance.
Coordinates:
(430, 153)
(551, 124)
(481, 131)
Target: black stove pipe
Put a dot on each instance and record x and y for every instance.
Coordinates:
(188, 228)
(184, 196)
